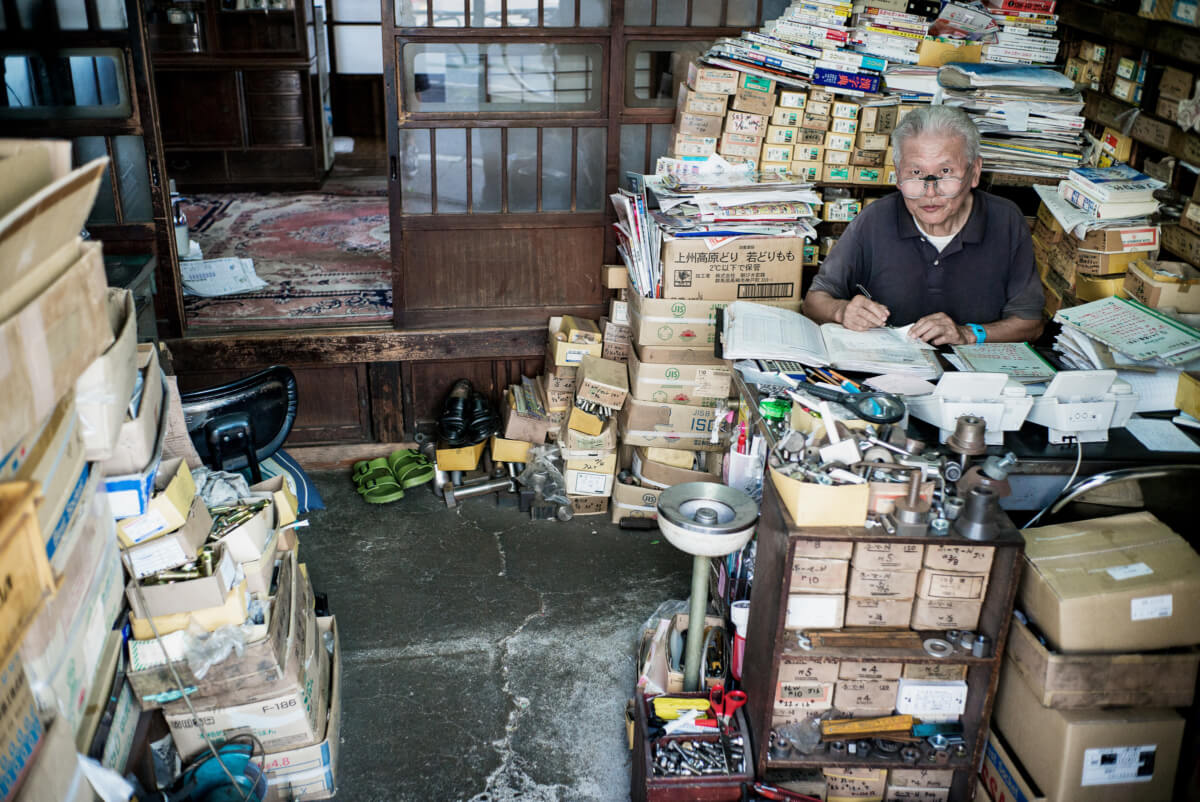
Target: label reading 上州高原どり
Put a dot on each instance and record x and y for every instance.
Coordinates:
(1114, 765)
(1120, 572)
(1149, 607)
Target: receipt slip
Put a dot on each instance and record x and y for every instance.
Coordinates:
(1126, 583)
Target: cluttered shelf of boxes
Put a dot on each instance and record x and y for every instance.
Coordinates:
(150, 605)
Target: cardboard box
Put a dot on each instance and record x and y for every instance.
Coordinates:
(173, 549)
(21, 730)
(812, 504)
(1126, 90)
(837, 158)
(815, 611)
(808, 669)
(585, 422)
(796, 701)
(702, 125)
(747, 268)
(776, 153)
(1176, 83)
(1155, 133)
(816, 575)
(878, 612)
(787, 117)
(589, 505)
(29, 165)
(882, 584)
(1162, 285)
(901, 793)
(184, 596)
(618, 337)
(835, 174)
(1003, 777)
(840, 125)
(66, 325)
(602, 381)
(1168, 108)
(310, 772)
(698, 385)
(872, 176)
(1121, 755)
(942, 672)
(139, 437)
(711, 103)
(819, 108)
(932, 700)
(631, 501)
(976, 559)
(658, 475)
(754, 94)
(591, 476)
(509, 450)
(56, 774)
(174, 491)
(837, 141)
(812, 120)
(869, 669)
(945, 614)
(860, 697)
(780, 135)
(712, 79)
(578, 330)
(745, 145)
(39, 241)
(938, 584)
(103, 391)
(1124, 583)
(936, 52)
(845, 109)
(646, 423)
(891, 555)
(809, 171)
(25, 571)
(828, 549)
(463, 458)
(867, 158)
(689, 146)
(854, 783)
(1090, 51)
(791, 99)
(741, 122)
(1065, 681)
(808, 136)
(1187, 393)
(571, 439)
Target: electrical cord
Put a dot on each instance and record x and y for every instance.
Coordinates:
(137, 589)
(1066, 488)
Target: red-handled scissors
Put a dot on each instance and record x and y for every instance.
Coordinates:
(725, 703)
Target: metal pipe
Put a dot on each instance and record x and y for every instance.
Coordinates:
(695, 639)
(1122, 475)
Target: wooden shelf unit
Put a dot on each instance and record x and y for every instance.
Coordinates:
(768, 640)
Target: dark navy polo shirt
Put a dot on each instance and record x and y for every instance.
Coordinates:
(985, 274)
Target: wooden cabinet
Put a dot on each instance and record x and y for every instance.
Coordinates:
(770, 643)
(239, 99)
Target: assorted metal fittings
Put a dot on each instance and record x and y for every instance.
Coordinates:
(697, 757)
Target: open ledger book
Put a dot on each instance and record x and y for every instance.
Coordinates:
(755, 331)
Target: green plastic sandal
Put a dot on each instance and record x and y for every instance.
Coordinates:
(399, 461)
(373, 469)
(382, 491)
(412, 474)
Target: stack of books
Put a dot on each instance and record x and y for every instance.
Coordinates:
(1028, 32)
(890, 35)
(1118, 192)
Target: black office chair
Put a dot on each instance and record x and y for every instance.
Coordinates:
(241, 423)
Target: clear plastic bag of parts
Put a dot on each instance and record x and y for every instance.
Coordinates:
(542, 474)
(206, 649)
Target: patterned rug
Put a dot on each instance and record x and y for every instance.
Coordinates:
(326, 257)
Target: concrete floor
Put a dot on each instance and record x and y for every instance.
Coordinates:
(487, 658)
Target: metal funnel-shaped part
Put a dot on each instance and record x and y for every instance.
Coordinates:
(968, 437)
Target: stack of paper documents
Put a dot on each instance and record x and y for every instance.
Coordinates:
(1029, 117)
(1019, 360)
(754, 331)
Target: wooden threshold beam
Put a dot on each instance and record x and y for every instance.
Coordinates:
(348, 345)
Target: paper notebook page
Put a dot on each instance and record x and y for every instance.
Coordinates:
(1161, 435)
(755, 331)
(1130, 328)
(876, 346)
(1018, 360)
(1156, 391)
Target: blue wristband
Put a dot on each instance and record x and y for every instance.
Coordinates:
(979, 331)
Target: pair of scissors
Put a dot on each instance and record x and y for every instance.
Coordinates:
(872, 407)
(725, 704)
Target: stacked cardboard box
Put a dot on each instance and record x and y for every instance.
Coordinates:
(1087, 707)
(1087, 65)
(883, 583)
(1130, 79)
(1075, 271)
(951, 587)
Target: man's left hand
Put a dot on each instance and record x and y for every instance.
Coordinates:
(939, 329)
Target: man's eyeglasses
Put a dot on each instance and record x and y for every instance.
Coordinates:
(946, 186)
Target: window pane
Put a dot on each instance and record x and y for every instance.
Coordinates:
(522, 169)
(412, 13)
(707, 13)
(556, 169)
(451, 170)
(558, 13)
(741, 12)
(132, 179)
(660, 143)
(88, 83)
(112, 15)
(487, 158)
(416, 180)
(104, 210)
(633, 151)
(358, 49)
(672, 13)
(593, 13)
(522, 14)
(637, 12)
(354, 11)
(649, 80)
(501, 77)
(72, 16)
(449, 13)
(590, 159)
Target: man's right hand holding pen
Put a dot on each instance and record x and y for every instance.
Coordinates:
(861, 313)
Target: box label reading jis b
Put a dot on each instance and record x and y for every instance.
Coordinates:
(741, 269)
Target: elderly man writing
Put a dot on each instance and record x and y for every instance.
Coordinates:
(953, 260)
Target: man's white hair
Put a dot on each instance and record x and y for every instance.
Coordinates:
(940, 121)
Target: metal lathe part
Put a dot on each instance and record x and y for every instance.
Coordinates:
(457, 494)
